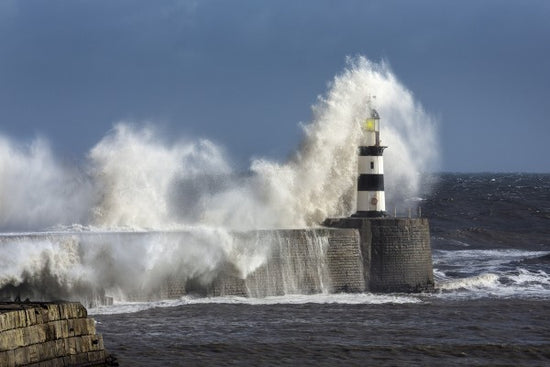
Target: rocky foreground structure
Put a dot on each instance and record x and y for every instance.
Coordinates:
(49, 334)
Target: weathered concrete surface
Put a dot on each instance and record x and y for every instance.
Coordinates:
(354, 255)
(401, 257)
(48, 334)
(396, 252)
(298, 261)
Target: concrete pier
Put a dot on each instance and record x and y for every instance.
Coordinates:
(396, 252)
(355, 255)
(298, 261)
(349, 255)
(48, 334)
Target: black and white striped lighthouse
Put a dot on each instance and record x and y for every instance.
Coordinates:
(370, 183)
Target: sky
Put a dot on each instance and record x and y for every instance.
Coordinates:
(245, 73)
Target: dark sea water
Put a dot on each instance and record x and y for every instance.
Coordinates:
(491, 253)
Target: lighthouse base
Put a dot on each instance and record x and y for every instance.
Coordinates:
(396, 252)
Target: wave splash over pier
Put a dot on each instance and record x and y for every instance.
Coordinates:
(141, 208)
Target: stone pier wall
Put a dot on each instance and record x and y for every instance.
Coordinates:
(352, 255)
(348, 255)
(299, 261)
(48, 334)
(396, 252)
(401, 257)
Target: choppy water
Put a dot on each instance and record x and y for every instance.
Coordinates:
(434, 332)
(491, 307)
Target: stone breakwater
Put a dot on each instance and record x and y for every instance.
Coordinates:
(48, 334)
(347, 255)
(354, 255)
(293, 261)
(396, 252)
(299, 262)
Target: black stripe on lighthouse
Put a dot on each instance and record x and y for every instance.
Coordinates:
(376, 151)
(370, 182)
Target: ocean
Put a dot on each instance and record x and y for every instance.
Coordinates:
(491, 255)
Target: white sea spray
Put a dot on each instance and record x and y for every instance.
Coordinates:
(135, 179)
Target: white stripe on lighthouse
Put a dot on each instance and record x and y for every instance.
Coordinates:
(365, 201)
(371, 164)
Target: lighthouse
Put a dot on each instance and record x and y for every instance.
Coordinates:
(396, 252)
(371, 202)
